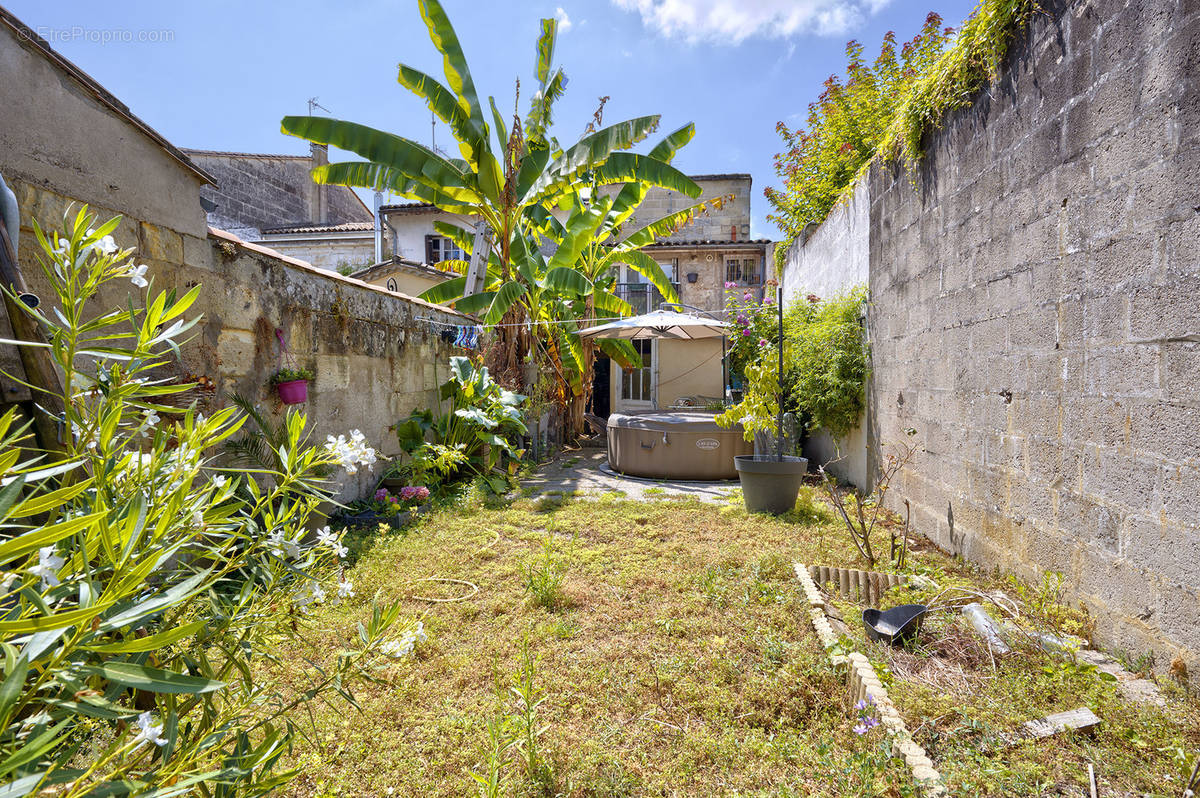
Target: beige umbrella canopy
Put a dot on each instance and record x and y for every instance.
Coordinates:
(659, 324)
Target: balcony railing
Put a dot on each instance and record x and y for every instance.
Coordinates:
(643, 297)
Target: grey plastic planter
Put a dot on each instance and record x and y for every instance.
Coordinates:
(770, 485)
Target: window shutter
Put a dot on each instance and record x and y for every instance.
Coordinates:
(429, 250)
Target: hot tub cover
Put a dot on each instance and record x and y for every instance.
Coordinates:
(667, 422)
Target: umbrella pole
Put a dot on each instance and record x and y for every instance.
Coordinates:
(779, 437)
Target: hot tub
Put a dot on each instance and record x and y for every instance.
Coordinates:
(677, 445)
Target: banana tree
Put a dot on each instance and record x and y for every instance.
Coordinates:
(594, 240)
(505, 169)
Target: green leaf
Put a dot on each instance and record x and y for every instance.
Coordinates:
(567, 280)
(454, 63)
(142, 677)
(406, 157)
(35, 539)
(471, 136)
(625, 167)
(134, 645)
(445, 292)
(508, 294)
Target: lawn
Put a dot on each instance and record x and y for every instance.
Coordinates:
(674, 655)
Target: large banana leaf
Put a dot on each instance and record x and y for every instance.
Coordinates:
(626, 167)
(403, 155)
(508, 294)
(454, 63)
(621, 351)
(379, 177)
(446, 292)
(612, 306)
(470, 133)
(567, 280)
(588, 153)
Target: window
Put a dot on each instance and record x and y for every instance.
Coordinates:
(440, 248)
(637, 385)
(743, 271)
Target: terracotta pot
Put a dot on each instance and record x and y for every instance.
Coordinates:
(292, 392)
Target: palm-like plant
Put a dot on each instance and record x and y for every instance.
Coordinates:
(505, 169)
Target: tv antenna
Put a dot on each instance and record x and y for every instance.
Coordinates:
(313, 104)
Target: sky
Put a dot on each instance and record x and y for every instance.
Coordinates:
(219, 75)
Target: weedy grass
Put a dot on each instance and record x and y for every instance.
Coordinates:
(676, 659)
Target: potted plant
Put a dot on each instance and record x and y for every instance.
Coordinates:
(770, 482)
(292, 384)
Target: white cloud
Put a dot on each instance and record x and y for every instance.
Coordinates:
(733, 21)
(564, 21)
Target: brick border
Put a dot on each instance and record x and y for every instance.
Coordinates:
(864, 683)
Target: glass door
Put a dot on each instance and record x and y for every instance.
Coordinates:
(637, 385)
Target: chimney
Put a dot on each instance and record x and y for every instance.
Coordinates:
(378, 228)
(320, 191)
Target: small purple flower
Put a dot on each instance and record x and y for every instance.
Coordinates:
(746, 332)
(871, 722)
(747, 296)
(743, 319)
(414, 492)
(860, 706)
(762, 341)
(381, 495)
(730, 284)
(860, 728)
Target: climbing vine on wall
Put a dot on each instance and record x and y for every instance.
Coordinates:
(883, 108)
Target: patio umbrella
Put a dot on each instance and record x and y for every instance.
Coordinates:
(659, 324)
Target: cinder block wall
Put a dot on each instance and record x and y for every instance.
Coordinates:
(1035, 318)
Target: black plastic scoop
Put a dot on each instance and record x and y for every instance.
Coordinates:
(896, 626)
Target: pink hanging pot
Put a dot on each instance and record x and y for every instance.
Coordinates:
(292, 392)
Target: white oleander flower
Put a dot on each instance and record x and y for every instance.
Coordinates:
(327, 538)
(106, 245)
(352, 453)
(137, 275)
(148, 731)
(345, 589)
(218, 481)
(47, 567)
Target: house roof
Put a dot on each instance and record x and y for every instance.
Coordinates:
(29, 38)
(407, 207)
(708, 242)
(400, 264)
(317, 227)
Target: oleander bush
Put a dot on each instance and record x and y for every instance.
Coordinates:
(143, 587)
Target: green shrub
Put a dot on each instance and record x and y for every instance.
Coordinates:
(290, 375)
(827, 362)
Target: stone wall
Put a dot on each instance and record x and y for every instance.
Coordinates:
(833, 258)
(1034, 317)
(256, 192)
(375, 357)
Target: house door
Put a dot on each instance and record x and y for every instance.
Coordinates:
(638, 385)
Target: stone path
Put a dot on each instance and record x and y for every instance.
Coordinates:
(578, 473)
